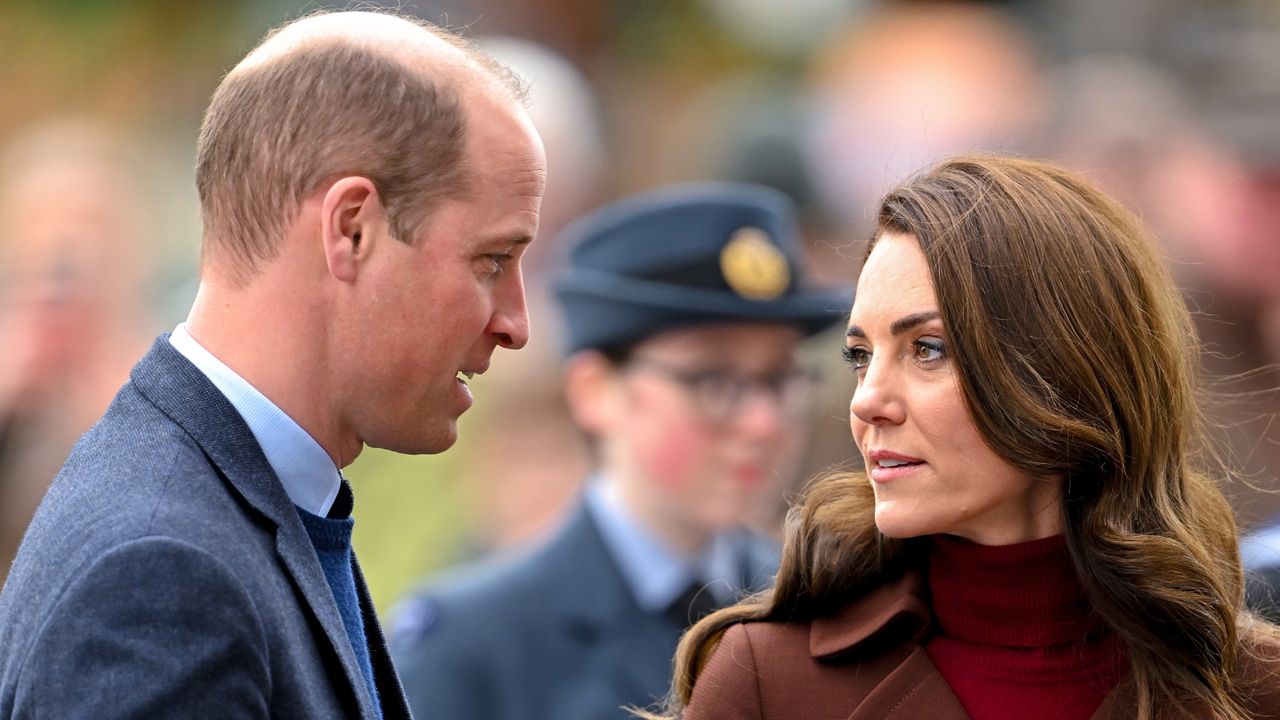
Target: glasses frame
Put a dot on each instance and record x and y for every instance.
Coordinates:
(720, 393)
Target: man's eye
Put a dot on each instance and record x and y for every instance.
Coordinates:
(857, 357)
(496, 262)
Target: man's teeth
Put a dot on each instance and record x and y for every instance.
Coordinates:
(467, 375)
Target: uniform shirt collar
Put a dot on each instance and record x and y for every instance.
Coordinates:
(656, 573)
(1261, 549)
(305, 470)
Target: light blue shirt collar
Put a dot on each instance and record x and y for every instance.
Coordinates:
(307, 472)
(656, 573)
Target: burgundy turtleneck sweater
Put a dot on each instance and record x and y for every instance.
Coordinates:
(1015, 638)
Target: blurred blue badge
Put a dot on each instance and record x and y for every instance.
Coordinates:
(412, 619)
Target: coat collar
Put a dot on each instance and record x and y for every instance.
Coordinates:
(180, 391)
(898, 612)
(899, 606)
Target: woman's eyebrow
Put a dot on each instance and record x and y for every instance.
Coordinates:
(899, 326)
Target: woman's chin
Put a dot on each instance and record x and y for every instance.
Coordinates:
(893, 525)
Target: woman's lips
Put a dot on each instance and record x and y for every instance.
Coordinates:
(885, 474)
(885, 465)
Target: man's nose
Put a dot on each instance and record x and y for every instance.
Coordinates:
(510, 321)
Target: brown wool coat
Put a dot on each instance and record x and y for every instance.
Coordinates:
(868, 663)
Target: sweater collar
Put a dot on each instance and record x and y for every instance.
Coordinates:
(1022, 595)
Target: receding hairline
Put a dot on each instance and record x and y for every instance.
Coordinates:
(414, 44)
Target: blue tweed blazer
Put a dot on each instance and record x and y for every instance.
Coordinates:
(167, 575)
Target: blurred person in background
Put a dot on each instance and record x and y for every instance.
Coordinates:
(1239, 252)
(368, 184)
(684, 309)
(909, 83)
(1039, 532)
(1133, 128)
(75, 258)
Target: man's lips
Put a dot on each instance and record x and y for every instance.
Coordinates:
(463, 376)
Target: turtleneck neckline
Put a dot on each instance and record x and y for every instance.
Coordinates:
(1014, 634)
(1022, 595)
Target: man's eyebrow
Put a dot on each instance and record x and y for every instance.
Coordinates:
(899, 326)
(515, 239)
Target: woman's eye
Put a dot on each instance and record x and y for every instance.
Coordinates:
(929, 350)
(857, 357)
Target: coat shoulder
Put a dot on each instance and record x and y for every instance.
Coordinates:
(1259, 671)
(728, 687)
(828, 665)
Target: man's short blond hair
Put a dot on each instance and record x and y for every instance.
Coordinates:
(275, 131)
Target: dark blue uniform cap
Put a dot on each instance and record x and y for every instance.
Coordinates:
(688, 255)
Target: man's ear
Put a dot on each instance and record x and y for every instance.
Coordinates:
(352, 220)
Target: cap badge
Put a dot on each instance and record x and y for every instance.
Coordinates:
(754, 267)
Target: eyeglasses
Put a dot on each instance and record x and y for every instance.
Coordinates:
(720, 393)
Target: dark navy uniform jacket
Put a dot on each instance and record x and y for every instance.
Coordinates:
(554, 633)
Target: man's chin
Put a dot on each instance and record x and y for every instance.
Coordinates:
(437, 440)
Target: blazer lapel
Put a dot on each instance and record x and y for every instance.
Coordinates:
(179, 390)
(390, 693)
(299, 557)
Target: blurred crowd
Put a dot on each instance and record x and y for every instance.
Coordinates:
(1171, 105)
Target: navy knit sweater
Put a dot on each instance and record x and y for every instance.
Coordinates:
(331, 537)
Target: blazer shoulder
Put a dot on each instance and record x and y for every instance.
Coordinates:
(130, 451)
(90, 637)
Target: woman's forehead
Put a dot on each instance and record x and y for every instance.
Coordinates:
(895, 281)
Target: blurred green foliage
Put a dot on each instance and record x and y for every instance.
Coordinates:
(410, 518)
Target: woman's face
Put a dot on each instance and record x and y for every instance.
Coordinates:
(930, 469)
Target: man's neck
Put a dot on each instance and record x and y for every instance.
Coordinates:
(264, 340)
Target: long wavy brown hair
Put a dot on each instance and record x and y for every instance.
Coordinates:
(1076, 357)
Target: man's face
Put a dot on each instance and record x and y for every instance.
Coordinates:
(435, 310)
